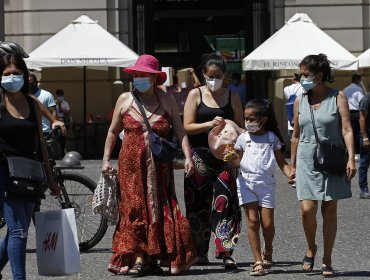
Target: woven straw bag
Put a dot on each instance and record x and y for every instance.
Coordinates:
(105, 200)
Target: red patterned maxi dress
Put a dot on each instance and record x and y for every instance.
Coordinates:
(150, 218)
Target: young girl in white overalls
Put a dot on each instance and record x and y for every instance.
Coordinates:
(257, 151)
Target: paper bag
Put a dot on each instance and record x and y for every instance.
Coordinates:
(57, 247)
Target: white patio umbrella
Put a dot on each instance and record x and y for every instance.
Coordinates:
(298, 38)
(84, 43)
(364, 59)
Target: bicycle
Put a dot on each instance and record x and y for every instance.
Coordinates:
(77, 191)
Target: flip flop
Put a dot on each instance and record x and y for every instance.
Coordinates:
(327, 271)
(310, 261)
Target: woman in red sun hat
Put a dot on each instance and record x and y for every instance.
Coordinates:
(151, 225)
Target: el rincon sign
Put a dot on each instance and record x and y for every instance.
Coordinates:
(287, 64)
(85, 61)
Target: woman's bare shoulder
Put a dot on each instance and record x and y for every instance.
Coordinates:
(124, 101)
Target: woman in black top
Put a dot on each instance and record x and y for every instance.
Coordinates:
(20, 128)
(214, 180)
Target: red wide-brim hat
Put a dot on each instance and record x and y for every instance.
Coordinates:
(148, 64)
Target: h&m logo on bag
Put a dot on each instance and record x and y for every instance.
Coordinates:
(50, 241)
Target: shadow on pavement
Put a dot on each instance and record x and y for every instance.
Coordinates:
(352, 274)
(99, 250)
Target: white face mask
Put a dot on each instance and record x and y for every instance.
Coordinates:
(252, 126)
(213, 84)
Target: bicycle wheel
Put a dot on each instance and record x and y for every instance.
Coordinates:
(80, 190)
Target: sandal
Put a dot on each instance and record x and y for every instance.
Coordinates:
(327, 271)
(267, 258)
(258, 269)
(310, 261)
(136, 270)
(117, 270)
(229, 263)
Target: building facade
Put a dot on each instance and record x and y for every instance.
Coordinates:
(179, 33)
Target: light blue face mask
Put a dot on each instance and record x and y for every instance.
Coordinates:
(307, 83)
(12, 83)
(142, 84)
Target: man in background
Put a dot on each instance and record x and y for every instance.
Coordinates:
(239, 87)
(354, 94)
(46, 98)
(63, 108)
(364, 107)
(291, 92)
(64, 115)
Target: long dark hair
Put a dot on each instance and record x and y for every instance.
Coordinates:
(264, 108)
(17, 61)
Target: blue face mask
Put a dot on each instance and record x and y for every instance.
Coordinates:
(142, 84)
(12, 83)
(307, 83)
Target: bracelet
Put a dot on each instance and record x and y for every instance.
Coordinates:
(364, 139)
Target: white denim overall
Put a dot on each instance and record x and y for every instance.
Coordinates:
(256, 181)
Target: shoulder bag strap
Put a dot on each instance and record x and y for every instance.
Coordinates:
(313, 119)
(142, 111)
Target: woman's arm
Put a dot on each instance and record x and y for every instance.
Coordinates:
(180, 133)
(238, 110)
(363, 130)
(295, 135)
(122, 106)
(347, 133)
(53, 186)
(190, 115)
(283, 165)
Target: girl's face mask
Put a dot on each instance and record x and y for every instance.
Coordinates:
(252, 126)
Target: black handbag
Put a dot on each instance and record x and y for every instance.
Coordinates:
(162, 149)
(53, 143)
(27, 178)
(328, 157)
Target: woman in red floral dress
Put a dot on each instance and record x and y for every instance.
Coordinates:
(151, 226)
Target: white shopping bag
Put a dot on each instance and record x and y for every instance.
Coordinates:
(57, 248)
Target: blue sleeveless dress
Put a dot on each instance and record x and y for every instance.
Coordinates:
(312, 184)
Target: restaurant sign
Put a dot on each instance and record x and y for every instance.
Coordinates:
(84, 61)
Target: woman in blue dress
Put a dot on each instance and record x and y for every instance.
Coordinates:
(331, 115)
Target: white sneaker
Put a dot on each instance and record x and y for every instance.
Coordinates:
(365, 195)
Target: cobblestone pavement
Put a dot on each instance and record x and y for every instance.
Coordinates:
(351, 256)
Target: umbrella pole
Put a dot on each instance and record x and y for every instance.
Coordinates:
(85, 106)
